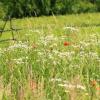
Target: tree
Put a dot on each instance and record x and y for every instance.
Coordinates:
(23, 8)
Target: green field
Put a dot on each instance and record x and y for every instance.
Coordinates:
(53, 58)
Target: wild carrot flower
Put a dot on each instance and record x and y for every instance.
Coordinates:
(66, 43)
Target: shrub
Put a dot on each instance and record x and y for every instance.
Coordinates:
(58, 7)
(2, 12)
(98, 4)
(86, 7)
(23, 8)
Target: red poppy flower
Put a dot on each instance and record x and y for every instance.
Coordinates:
(66, 43)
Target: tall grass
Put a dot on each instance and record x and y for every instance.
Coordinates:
(55, 58)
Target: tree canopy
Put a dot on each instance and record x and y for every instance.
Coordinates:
(23, 8)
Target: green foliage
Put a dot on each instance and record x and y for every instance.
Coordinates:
(43, 6)
(98, 4)
(22, 8)
(2, 12)
(86, 7)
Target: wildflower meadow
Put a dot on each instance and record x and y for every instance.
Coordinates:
(52, 58)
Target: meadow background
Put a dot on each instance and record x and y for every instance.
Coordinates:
(53, 57)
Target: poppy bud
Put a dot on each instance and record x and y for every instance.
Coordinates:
(66, 43)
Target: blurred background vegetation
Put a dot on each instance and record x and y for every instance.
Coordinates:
(24, 8)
